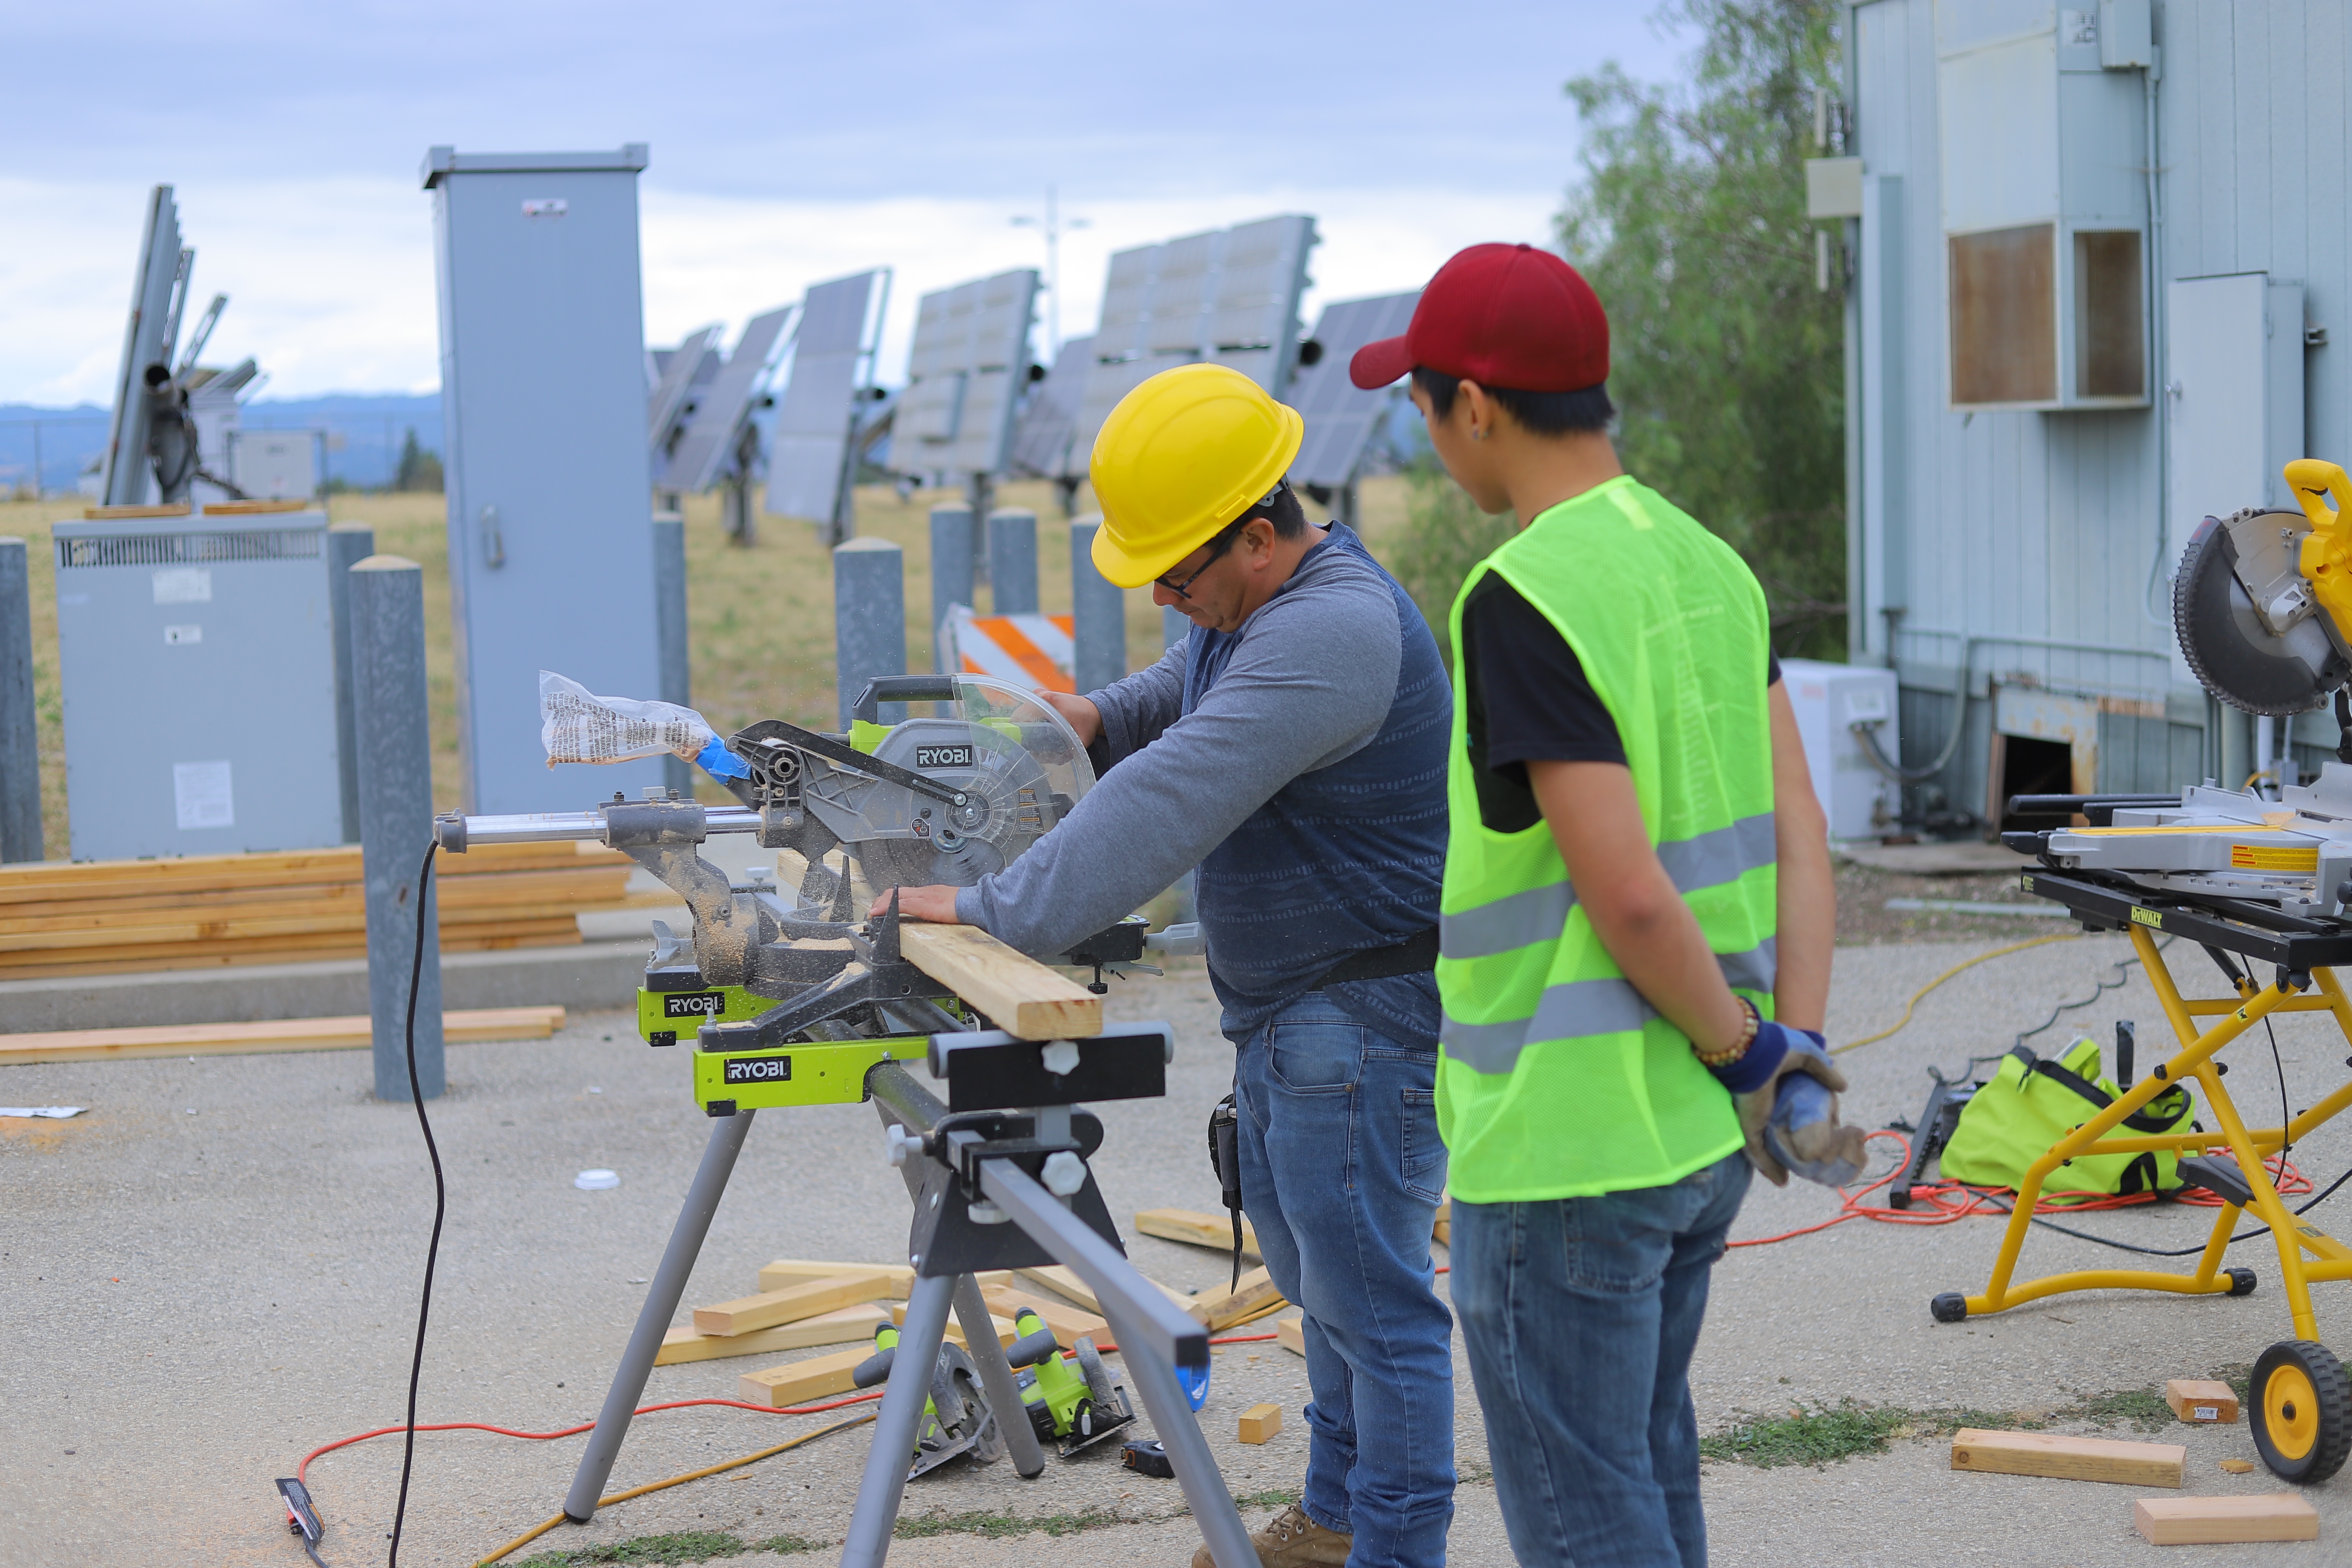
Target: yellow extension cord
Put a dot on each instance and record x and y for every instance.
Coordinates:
(1970, 963)
(527, 1537)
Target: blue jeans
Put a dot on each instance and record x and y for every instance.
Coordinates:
(1580, 1315)
(1341, 1170)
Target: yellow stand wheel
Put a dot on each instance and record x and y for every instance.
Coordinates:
(2300, 1407)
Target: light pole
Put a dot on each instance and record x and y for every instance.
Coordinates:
(1053, 224)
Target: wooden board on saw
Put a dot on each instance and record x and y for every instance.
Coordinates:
(1019, 995)
(2225, 1520)
(1070, 1323)
(1223, 1309)
(791, 1304)
(345, 1033)
(847, 1326)
(2069, 1458)
(1197, 1229)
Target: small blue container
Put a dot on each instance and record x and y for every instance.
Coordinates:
(1195, 1386)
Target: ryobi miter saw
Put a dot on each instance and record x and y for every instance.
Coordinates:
(2262, 608)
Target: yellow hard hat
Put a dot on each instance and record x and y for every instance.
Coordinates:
(1181, 456)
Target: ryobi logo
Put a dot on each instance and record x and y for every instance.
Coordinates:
(944, 756)
(758, 1069)
(694, 1005)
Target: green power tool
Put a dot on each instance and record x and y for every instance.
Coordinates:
(956, 1416)
(1071, 1407)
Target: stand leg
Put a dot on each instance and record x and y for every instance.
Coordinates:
(1188, 1451)
(726, 1134)
(885, 1481)
(996, 1379)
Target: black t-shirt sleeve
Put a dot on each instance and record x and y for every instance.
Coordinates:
(1530, 701)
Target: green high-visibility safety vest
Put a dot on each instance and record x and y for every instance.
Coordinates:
(1557, 1079)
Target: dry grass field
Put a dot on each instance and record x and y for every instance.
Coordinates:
(762, 618)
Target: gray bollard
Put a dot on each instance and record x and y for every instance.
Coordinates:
(388, 703)
(20, 757)
(951, 569)
(1013, 561)
(869, 621)
(1173, 626)
(348, 543)
(669, 623)
(1098, 613)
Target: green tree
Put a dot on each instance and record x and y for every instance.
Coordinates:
(419, 469)
(1726, 357)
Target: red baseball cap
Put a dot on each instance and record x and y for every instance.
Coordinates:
(1501, 315)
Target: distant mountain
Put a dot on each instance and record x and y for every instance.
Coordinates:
(364, 430)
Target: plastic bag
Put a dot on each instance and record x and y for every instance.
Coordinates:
(577, 726)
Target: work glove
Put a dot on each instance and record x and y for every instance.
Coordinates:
(1789, 1113)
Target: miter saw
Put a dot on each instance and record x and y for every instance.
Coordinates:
(2262, 608)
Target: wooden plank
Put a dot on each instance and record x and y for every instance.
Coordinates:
(1005, 1333)
(2222, 1520)
(789, 1271)
(1196, 1228)
(1290, 1333)
(2069, 1458)
(848, 1326)
(117, 959)
(1063, 1281)
(344, 1034)
(1441, 1230)
(1260, 1423)
(796, 1382)
(2201, 1400)
(790, 1304)
(1020, 995)
(1255, 1292)
(1068, 1323)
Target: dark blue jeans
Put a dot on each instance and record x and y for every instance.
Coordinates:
(1341, 1170)
(1581, 1315)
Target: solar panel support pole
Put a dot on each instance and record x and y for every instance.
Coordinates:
(1343, 503)
(979, 491)
(1013, 561)
(869, 621)
(670, 624)
(1098, 613)
(391, 717)
(348, 543)
(20, 761)
(952, 574)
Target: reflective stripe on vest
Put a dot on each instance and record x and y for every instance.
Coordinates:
(1540, 914)
(1581, 1008)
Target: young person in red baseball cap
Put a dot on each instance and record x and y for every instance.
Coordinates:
(1637, 909)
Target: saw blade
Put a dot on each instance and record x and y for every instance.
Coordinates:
(2227, 646)
(1012, 805)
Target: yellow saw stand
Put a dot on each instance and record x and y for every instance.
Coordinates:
(2300, 1403)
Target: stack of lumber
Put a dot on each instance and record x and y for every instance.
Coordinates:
(347, 1034)
(107, 917)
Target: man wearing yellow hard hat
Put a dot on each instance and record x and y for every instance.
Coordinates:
(1293, 748)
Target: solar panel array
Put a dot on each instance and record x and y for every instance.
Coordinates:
(966, 366)
(1229, 297)
(1041, 443)
(833, 362)
(722, 404)
(666, 406)
(1341, 415)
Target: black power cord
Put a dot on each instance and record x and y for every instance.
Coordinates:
(440, 1205)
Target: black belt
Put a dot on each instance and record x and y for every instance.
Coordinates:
(1416, 954)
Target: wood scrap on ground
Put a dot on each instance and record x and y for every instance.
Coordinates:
(845, 1326)
(1002, 1323)
(788, 1271)
(2069, 1458)
(796, 1382)
(1198, 1229)
(1068, 1323)
(2225, 1520)
(1223, 1309)
(1260, 1423)
(1441, 1230)
(1063, 1281)
(339, 1033)
(1019, 995)
(2201, 1400)
(791, 1303)
(1290, 1333)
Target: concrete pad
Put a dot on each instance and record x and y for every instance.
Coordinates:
(1962, 858)
(254, 1228)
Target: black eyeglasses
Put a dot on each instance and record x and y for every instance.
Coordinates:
(1218, 546)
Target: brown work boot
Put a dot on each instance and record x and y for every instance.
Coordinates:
(1291, 1541)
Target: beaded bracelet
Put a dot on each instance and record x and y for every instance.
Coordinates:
(1738, 1048)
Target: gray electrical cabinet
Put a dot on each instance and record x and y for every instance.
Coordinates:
(196, 661)
(543, 408)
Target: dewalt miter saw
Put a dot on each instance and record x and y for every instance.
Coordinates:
(2262, 609)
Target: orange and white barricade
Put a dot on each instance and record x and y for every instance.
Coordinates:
(1034, 651)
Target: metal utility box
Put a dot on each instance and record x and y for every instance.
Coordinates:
(550, 497)
(197, 664)
(274, 464)
(1830, 700)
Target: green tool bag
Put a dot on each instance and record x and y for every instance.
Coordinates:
(2033, 1103)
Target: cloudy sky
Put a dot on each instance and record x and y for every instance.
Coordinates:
(791, 142)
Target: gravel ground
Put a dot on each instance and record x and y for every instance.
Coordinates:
(254, 1227)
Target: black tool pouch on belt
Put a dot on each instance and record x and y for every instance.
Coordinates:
(1226, 1159)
